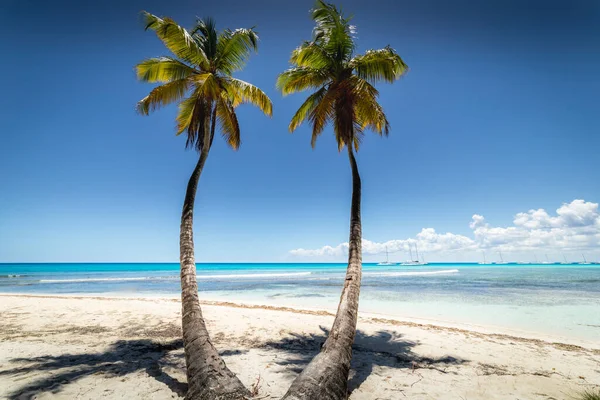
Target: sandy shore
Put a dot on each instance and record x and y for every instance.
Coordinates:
(115, 348)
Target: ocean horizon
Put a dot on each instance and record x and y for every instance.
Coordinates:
(552, 299)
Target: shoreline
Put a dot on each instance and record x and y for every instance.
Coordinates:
(368, 317)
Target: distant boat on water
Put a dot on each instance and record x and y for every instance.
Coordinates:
(387, 259)
(501, 259)
(484, 262)
(547, 261)
(585, 262)
(411, 261)
(565, 262)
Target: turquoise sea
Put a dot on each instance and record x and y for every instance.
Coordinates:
(557, 300)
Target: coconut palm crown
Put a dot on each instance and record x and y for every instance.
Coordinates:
(200, 78)
(343, 81)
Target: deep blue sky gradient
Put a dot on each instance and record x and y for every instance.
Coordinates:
(498, 114)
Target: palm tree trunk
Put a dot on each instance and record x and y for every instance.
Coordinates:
(326, 377)
(208, 376)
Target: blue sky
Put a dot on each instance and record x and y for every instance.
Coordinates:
(497, 116)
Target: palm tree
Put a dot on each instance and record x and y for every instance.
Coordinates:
(199, 77)
(343, 95)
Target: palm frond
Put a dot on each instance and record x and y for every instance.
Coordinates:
(176, 39)
(230, 128)
(207, 86)
(234, 48)
(332, 31)
(344, 115)
(163, 95)
(301, 78)
(368, 113)
(240, 92)
(307, 108)
(163, 69)
(311, 55)
(321, 114)
(194, 117)
(376, 65)
(185, 114)
(205, 34)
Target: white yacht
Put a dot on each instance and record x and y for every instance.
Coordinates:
(414, 261)
(484, 262)
(387, 259)
(501, 259)
(422, 256)
(585, 262)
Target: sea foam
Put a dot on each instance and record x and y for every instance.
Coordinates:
(412, 273)
(163, 278)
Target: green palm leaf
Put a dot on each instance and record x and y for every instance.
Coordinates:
(376, 65)
(233, 49)
(333, 32)
(176, 39)
(323, 112)
(301, 78)
(163, 69)
(230, 128)
(163, 95)
(240, 92)
(310, 54)
(307, 108)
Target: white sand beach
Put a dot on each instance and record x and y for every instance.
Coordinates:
(63, 347)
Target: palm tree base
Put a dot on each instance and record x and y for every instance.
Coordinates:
(229, 388)
(325, 378)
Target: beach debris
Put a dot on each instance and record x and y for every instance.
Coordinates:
(255, 387)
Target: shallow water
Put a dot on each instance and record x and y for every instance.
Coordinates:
(560, 300)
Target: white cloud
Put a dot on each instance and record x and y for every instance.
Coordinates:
(575, 228)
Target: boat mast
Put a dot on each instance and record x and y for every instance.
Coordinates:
(584, 260)
(501, 259)
(410, 250)
(417, 250)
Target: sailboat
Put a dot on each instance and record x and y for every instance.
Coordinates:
(411, 261)
(484, 262)
(387, 259)
(585, 262)
(419, 262)
(547, 261)
(501, 259)
(565, 262)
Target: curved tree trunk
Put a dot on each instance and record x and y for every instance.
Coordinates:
(208, 376)
(326, 377)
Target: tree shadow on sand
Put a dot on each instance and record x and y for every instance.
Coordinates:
(122, 358)
(383, 348)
